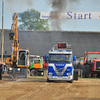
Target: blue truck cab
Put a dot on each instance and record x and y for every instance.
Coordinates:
(60, 64)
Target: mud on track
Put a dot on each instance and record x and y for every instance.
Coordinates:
(39, 89)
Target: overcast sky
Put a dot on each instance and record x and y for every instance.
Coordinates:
(11, 6)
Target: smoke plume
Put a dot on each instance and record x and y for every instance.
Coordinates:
(58, 6)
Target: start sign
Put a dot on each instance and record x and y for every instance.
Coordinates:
(70, 15)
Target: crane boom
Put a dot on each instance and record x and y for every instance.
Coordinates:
(19, 57)
(14, 40)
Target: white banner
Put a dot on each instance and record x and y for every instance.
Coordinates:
(70, 15)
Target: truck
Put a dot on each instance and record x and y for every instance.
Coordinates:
(36, 65)
(91, 64)
(61, 64)
(19, 61)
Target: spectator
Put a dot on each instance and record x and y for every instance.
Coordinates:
(5, 67)
(45, 65)
(1, 66)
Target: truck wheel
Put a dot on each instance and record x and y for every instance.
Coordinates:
(88, 76)
(71, 81)
(78, 66)
(33, 72)
(94, 75)
(49, 80)
(75, 67)
(98, 75)
(88, 71)
(75, 75)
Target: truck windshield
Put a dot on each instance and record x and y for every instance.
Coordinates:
(31, 60)
(93, 56)
(34, 60)
(60, 58)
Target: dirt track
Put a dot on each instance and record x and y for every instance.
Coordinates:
(39, 89)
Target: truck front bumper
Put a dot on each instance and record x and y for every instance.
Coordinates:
(60, 78)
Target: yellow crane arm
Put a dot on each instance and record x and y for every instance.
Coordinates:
(14, 40)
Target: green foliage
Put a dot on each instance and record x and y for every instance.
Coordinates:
(36, 77)
(30, 20)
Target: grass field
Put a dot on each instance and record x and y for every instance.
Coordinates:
(36, 77)
(91, 78)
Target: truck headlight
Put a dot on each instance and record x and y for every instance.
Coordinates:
(68, 73)
(10, 69)
(41, 73)
(18, 69)
(50, 73)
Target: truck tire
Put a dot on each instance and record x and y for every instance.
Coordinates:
(75, 66)
(88, 71)
(98, 75)
(49, 80)
(78, 66)
(94, 75)
(33, 72)
(71, 81)
(75, 75)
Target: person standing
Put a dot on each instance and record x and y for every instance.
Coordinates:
(4, 68)
(1, 66)
(45, 67)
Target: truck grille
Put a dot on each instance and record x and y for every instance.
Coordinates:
(97, 65)
(59, 71)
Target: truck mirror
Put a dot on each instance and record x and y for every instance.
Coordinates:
(45, 58)
(74, 58)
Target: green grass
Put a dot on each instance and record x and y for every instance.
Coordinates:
(91, 78)
(36, 76)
